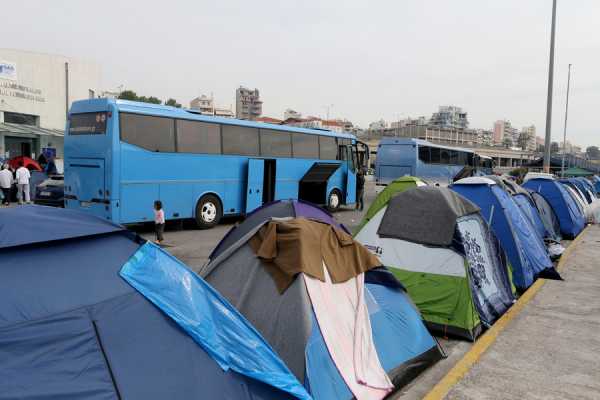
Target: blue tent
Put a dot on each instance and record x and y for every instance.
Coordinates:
(524, 248)
(586, 190)
(596, 182)
(570, 218)
(72, 328)
(288, 323)
(530, 211)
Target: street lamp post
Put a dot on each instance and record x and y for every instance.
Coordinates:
(550, 87)
(562, 170)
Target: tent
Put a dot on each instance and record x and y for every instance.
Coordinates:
(90, 310)
(525, 203)
(289, 319)
(525, 250)
(28, 163)
(570, 218)
(439, 247)
(547, 215)
(396, 186)
(529, 208)
(595, 180)
(588, 209)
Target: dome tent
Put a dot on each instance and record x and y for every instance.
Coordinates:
(570, 218)
(529, 208)
(525, 250)
(396, 186)
(439, 247)
(72, 327)
(287, 318)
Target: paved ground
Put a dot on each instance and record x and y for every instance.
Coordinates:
(551, 350)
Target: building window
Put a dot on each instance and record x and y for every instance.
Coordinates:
(148, 132)
(305, 145)
(198, 137)
(240, 140)
(23, 119)
(275, 143)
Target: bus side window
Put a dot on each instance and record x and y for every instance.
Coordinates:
(435, 155)
(444, 156)
(327, 148)
(240, 140)
(198, 137)
(275, 143)
(148, 132)
(425, 154)
(305, 145)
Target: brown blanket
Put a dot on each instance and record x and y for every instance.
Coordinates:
(301, 245)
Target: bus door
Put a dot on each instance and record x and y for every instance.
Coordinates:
(261, 183)
(351, 161)
(256, 170)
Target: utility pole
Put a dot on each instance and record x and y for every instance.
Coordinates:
(562, 170)
(550, 87)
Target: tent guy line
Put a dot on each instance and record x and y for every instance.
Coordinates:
(461, 368)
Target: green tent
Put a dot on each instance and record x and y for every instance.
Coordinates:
(440, 248)
(396, 186)
(576, 171)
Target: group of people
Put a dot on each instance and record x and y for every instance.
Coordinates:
(20, 178)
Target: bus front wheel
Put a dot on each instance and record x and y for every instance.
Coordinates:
(334, 201)
(208, 211)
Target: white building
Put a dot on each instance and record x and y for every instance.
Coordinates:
(206, 106)
(36, 91)
(289, 113)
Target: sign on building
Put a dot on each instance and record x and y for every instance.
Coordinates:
(8, 70)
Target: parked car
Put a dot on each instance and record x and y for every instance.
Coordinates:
(51, 192)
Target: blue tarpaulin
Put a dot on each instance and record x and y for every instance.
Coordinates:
(207, 317)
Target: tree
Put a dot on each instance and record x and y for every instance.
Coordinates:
(131, 95)
(128, 95)
(151, 99)
(593, 152)
(540, 148)
(554, 148)
(507, 142)
(173, 103)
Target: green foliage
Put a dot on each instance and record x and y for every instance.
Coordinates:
(128, 95)
(554, 147)
(518, 172)
(131, 95)
(173, 103)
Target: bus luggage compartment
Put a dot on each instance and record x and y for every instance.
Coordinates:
(313, 185)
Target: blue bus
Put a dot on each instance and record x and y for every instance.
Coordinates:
(121, 156)
(436, 164)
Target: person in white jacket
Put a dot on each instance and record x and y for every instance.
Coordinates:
(6, 181)
(23, 177)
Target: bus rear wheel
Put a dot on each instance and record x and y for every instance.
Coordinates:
(208, 211)
(334, 201)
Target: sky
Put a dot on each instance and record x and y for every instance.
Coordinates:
(361, 60)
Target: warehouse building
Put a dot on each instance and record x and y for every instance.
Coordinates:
(36, 91)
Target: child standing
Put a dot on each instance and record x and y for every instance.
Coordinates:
(159, 221)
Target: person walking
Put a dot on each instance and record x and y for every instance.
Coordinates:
(360, 189)
(159, 221)
(6, 180)
(23, 176)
